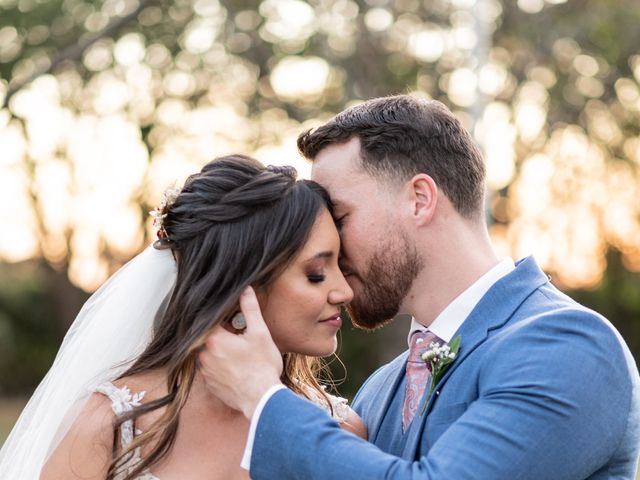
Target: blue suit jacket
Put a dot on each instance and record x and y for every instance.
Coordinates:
(542, 388)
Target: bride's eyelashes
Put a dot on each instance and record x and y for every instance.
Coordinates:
(316, 277)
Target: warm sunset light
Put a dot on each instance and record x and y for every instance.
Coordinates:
(107, 105)
(93, 174)
(78, 172)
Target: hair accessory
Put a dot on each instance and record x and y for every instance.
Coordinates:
(239, 322)
(160, 213)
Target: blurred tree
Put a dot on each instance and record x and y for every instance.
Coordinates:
(108, 102)
(29, 338)
(617, 298)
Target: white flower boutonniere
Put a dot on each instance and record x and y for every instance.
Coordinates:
(438, 359)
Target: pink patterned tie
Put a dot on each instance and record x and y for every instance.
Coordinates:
(417, 375)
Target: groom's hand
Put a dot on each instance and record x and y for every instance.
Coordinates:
(240, 368)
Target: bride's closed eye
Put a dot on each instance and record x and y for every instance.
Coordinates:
(316, 277)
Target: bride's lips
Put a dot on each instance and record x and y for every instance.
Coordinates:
(334, 321)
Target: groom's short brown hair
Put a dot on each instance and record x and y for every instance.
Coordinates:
(401, 136)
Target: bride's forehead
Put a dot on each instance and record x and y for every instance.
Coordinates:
(323, 237)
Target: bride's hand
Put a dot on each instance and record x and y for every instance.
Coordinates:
(240, 368)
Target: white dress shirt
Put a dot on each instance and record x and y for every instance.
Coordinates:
(453, 316)
(444, 326)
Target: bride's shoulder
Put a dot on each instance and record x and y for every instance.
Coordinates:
(148, 385)
(354, 424)
(96, 414)
(129, 392)
(86, 446)
(338, 408)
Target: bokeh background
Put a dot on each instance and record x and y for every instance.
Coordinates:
(103, 104)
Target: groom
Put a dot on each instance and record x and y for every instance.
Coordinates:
(518, 380)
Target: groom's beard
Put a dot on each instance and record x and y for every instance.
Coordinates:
(385, 284)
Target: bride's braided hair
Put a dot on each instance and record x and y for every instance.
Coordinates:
(208, 199)
(234, 224)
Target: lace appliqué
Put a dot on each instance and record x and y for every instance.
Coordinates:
(122, 400)
(338, 407)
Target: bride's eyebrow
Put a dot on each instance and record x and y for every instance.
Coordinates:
(327, 254)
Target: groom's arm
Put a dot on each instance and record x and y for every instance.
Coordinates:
(554, 402)
(294, 439)
(554, 398)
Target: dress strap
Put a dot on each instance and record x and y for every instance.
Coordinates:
(122, 401)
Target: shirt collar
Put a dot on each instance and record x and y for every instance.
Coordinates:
(454, 315)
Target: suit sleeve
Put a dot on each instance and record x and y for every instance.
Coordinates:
(553, 402)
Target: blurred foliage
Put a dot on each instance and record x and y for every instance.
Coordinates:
(29, 338)
(618, 299)
(362, 353)
(107, 102)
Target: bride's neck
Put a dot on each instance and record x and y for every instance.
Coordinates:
(201, 394)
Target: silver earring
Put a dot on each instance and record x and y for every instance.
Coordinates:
(239, 322)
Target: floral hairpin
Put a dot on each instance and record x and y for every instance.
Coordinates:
(160, 213)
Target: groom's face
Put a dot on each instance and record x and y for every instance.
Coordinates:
(378, 258)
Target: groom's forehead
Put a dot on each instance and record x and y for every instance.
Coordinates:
(334, 171)
(339, 156)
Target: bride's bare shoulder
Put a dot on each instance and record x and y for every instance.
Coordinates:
(354, 424)
(85, 450)
(152, 383)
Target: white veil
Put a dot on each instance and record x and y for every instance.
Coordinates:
(112, 329)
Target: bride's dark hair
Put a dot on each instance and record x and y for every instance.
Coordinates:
(234, 224)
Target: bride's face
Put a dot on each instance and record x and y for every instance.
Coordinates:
(301, 307)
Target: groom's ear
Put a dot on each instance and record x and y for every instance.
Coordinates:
(423, 195)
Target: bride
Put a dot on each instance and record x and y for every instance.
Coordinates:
(125, 399)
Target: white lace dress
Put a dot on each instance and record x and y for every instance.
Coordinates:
(122, 400)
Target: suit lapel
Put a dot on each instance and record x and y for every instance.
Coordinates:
(492, 312)
(389, 380)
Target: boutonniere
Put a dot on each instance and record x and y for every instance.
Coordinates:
(438, 359)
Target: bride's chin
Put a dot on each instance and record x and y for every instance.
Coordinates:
(318, 350)
(329, 350)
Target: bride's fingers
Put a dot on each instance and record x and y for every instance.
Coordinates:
(251, 310)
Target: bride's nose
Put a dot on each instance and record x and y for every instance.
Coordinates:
(341, 293)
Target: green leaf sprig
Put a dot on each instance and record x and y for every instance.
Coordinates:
(439, 358)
